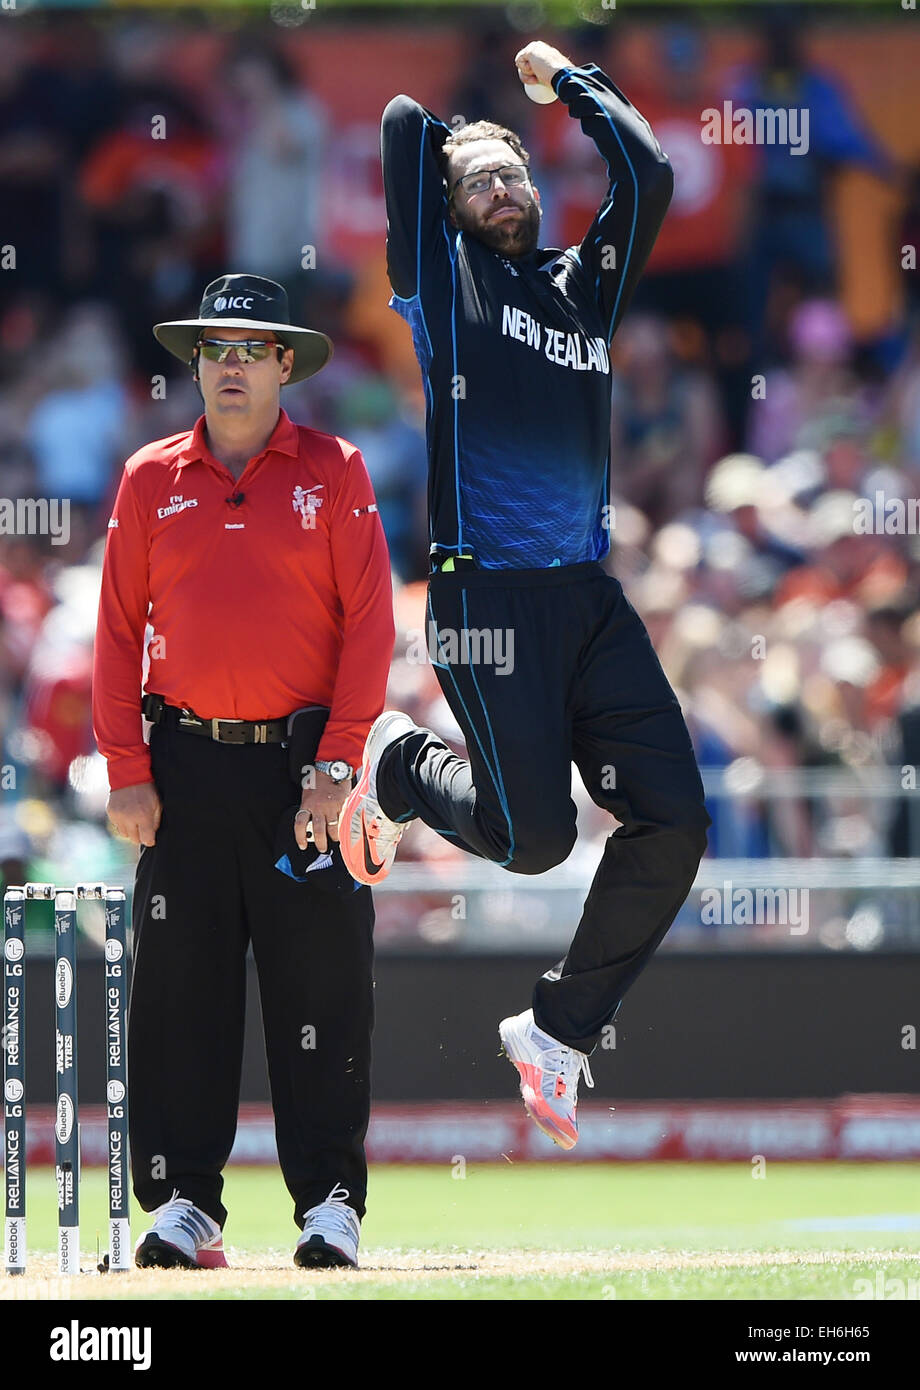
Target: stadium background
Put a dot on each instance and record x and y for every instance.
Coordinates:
(792, 640)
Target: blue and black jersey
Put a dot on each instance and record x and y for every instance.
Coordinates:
(514, 352)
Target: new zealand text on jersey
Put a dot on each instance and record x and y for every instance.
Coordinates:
(567, 349)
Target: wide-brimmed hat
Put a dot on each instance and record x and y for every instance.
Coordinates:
(248, 301)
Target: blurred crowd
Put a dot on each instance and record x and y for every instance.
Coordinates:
(747, 419)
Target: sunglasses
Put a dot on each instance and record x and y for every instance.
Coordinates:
(249, 350)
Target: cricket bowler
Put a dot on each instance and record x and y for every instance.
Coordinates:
(513, 343)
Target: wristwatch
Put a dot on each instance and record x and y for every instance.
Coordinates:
(338, 769)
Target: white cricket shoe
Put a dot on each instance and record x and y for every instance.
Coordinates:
(331, 1233)
(549, 1073)
(368, 838)
(182, 1236)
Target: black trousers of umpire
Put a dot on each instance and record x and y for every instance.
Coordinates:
(203, 891)
(581, 683)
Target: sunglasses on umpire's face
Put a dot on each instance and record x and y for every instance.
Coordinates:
(248, 350)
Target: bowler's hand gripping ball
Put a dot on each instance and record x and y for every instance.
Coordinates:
(540, 93)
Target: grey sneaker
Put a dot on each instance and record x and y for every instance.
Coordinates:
(182, 1237)
(331, 1232)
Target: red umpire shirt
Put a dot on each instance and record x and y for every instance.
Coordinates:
(264, 593)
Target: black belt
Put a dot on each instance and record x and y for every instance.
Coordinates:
(156, 709)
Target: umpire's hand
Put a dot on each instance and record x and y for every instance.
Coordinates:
(135, 812)
(320, 806)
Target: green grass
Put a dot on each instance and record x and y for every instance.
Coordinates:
(597, 1231)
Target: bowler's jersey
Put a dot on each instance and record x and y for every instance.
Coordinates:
(514, 352)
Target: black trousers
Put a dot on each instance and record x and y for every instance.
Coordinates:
(542, 668)
(204, 891)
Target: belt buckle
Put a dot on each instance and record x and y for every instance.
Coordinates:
(215, 730)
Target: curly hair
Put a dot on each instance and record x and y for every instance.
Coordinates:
(480, 130)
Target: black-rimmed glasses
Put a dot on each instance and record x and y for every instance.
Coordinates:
(481, 180)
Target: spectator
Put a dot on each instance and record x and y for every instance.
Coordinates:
(277, 167)
(792, 236)
(904, 833)
(842, 564)
(33, 159)
(885, 628)
(692, 273)
(370, 416)
(75, 430)
(666, 425)
(819, 381)
(153, 188)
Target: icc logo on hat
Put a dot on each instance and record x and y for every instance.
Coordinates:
(244, 301)
(237, 302)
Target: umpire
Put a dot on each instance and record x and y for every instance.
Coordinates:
(253, 549)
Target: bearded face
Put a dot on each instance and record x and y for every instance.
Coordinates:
(505, 216)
